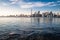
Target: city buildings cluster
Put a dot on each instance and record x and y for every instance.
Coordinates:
(36, 14)
(45, 14)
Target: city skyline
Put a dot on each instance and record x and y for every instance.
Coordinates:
(13, 7)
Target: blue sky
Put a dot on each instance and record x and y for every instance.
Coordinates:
(11, 7)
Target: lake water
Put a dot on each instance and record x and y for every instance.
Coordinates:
(37, 24)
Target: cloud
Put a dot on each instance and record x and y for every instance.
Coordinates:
(4, 4)
(55, 4)
(23, 4)
(26, 6)
(38, 4)
(35, 4)
(13, 1)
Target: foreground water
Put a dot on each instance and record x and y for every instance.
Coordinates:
(27, 26)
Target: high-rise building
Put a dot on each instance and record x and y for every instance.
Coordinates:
(50, 14)
(38, 12)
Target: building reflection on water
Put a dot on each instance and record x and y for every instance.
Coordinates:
(36, 21)
(39, 21)
(48, 21)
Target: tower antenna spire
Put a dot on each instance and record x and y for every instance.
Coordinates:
(31, 12)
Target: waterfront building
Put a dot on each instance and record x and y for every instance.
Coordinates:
(50, 15)
(47, 14)
(37, 14)
(34, 15)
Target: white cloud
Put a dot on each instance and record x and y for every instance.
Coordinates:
(26, 6)
(23, 4)
(13, 1)
(34, 4)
